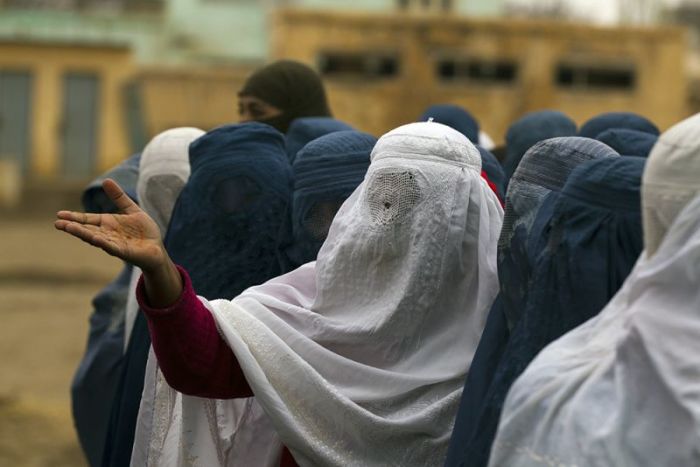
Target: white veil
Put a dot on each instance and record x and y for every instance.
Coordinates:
(360, 357)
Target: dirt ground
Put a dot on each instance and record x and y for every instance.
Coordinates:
(47, 280)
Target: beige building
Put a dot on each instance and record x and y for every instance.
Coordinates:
(384, 70)
(67, 112)
(61, 110)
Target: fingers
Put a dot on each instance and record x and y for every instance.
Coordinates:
(120, 199)
(89, 234)
(80, 217)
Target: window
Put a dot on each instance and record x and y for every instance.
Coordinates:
(444, 5)
(478, 70)
(365, 65)
(599, 77)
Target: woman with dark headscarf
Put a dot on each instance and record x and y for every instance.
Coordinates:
(536, 182)
(529, 130)
(281, 92)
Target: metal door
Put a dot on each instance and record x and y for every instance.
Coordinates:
(80, 124)
(15, 109)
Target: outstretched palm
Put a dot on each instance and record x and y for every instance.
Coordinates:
(130, 235)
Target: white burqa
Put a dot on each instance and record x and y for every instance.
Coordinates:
(623, 389)
(359, 358)
(163, 171)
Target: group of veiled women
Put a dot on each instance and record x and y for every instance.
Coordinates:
(408, 301)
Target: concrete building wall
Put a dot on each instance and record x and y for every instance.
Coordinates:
(645, 67)
(48, 65)
(189, 97)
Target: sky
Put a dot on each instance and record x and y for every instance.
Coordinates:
(604, 11)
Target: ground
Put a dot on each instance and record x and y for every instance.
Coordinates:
(47, 280)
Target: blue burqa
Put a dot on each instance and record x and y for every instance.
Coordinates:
(304, 130)
(532, 190)
(95, 382)
(326, 172)
(628, 142)
(529, 130)
(224, 230)
(609, 120)
(455, 117)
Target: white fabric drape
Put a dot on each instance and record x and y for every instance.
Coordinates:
(360, 357)
(163, 172)
(622, 389)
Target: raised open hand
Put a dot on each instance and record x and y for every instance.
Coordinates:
(130, 235)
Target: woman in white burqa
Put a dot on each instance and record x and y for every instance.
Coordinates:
(360, 357)
(623, 389)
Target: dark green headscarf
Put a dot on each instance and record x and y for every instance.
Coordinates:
(292, 87)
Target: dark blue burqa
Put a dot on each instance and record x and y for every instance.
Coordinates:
(532, 190)
(95, 382)
(225, 230)
(609, 120)
(304, 130)
(326, 172)
(455, 117)
(529, 130)
(628, 142)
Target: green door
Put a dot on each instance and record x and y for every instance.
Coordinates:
(15, 109)
(80, 124)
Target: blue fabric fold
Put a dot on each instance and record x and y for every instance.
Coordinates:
(609, 120)
(304, 130)
(95, 382)
(628, 142)
(531, 196)
(529, 130)
(326, 172)
(225, 230)
(595, 238)
(455, 117)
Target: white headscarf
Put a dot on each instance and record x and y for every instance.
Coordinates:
(622, 389)
(671, 179)
(360, 357)
(163, 172)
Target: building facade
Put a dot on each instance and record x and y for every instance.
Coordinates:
(384, 70)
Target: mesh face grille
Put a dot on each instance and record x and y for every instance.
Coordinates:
(318, 219)
(161, 193)
(391, 197)
(236, 194)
